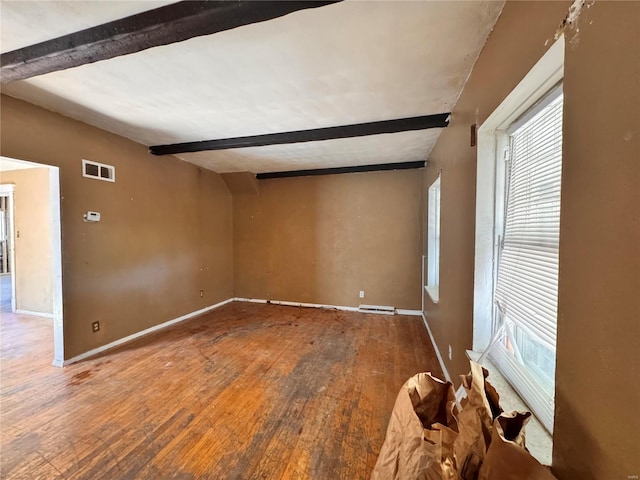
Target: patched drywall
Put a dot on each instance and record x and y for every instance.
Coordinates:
(32, 243)
(164, 236)
(324, 239)
(570, 26)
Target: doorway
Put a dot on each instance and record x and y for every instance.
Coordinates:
(32, 282)
(7, 287)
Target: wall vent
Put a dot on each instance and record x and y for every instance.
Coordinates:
(99, 171)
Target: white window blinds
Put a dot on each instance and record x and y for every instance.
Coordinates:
(526, 293)
(527, 285)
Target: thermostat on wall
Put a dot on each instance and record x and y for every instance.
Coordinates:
(92, 217)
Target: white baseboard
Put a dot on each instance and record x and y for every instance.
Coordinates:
(35, 314)
(142, 333)
(250, 300)
(296, 304)
(399, 311)
(437, 350)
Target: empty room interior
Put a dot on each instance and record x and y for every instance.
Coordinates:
(232, 232)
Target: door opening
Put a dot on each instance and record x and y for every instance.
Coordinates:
(31, 245)
(7, 277)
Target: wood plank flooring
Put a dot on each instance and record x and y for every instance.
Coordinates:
(248, 391)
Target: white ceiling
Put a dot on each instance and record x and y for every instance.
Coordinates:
(340, 64)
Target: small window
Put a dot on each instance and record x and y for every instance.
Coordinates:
(99, 171)
(433, 241)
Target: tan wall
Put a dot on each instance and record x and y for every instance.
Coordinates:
(165, 234)
(32, 223)
(323, 239)
(598, 359)
(597, 431)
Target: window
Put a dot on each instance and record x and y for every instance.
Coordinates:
(526, 294)
(433, 241)
(517, 234)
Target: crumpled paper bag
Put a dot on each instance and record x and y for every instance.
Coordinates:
(475, 422)
(428, 438)
(421, 432)
(508, 457)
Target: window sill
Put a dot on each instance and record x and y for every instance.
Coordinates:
(433, 292)
(539, 442)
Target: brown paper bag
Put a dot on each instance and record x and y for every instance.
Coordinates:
(507, 457)
(428, 439)
(421, 433)
(475, 422)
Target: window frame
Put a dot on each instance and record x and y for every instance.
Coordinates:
(433, 239)
(493, 147)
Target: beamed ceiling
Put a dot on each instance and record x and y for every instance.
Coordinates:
(344, 63)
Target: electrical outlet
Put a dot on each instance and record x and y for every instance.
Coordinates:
(201, 293)
(450, 352)
(361, 293)
(95, 326)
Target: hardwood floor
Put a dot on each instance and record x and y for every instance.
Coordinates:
(248, 391)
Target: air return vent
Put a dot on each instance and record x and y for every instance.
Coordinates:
(99, 171)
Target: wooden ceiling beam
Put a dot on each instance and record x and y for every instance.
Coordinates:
(338, 170)
(161, 26)
(439, 120)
